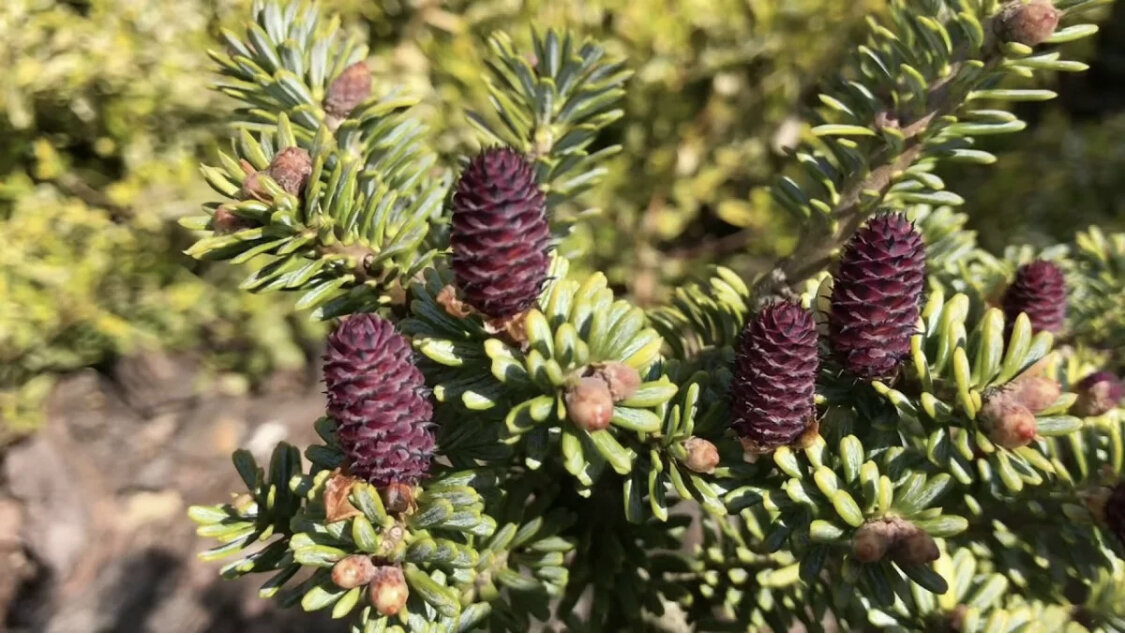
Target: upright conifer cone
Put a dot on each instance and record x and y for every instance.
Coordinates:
(348, 90)
(775, 377)
(1039, 290)
(379, 400)
(875, 297)
(500, 234)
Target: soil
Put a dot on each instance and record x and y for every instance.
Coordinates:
(94, 534)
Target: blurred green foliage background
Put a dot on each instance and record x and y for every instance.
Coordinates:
(105, 113)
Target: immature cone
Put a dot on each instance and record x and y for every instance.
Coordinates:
(1039, 290)
(1028, 23)
(876, 537)
(388, 591)
(252, 188)
(589, 404)
(1098, 394)
(353, 571)
(905, 542)
(398, 498)
(224, 221)
(1009, 423)
(914, 546)
(291, 169)
(348, 90)
(871, 542)
(775, 377)
(1035, 393)
(875, 297)
(500, 234)
(702, 455)
(622, 380)
(379, 400)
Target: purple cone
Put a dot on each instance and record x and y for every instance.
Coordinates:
(500, 235)
(379, 400)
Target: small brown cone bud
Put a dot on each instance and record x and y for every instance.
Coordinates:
(224, 221)
(388, 592)
(1098, 394)
(291, 169)
(1009, 424)
(353, 571)
(398, 498)
(702, 455)
(252, 188)
(589, 404)
(623, 380)
(1027, 23)
(871, 541)
(914, 546)
(1036, 393)
(348, 90)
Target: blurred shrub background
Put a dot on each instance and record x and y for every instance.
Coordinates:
(105, 113)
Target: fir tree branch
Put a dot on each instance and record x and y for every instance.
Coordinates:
(977, 62)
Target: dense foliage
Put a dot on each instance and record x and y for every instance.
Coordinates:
(106, 115)
(891, 428)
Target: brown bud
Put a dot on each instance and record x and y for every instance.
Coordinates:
(702, 455)
(1035, 393)
(291, 169)
(252, 188)
(914, 546)
(225, 221)
(388, 591)
(871, 541)
(1009, 424)
(348, 90)
(623, 380)
(353, 571)
(1027, 23)
(398, 498)
(589, 404)
(1098, 394)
